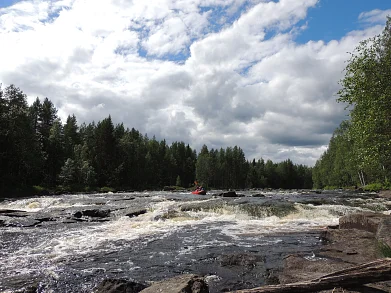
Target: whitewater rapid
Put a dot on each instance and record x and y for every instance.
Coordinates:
(177, 233)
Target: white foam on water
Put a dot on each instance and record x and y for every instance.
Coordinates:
(306, 218)
(50, 202)
(99, 237)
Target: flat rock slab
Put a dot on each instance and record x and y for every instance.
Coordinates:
(379, 224)
(180, 284)
(356, 242)
(363, 221)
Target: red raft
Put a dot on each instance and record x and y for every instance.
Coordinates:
(201, 192)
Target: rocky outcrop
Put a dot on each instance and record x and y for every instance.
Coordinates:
(180, 284)
(94, 213)
(362, 221)
(258, 195)
(355, 242)
(229, 194)
(119, 286)
(379, 224)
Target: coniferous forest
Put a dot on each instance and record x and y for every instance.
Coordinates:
(359, 152)
(39, 152)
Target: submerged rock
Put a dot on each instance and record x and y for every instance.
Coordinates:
(241, 259)
(180, 284)
(119, 286)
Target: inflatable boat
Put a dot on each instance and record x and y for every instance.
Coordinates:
(201, 192)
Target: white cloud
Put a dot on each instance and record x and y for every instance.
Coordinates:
(271, 96)
(374, 16)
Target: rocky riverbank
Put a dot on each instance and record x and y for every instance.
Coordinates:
(179, 242)
(359, 238)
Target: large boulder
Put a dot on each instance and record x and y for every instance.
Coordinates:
(228, 194)
(180, 284)
(363, 221)
(94, 213)
(379, 224)
(383, 232)
(119, 286)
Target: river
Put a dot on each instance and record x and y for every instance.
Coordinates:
(58, 243)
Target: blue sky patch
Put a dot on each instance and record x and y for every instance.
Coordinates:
(333, 19)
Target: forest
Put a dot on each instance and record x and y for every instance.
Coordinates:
(359, 152)
(40, 153)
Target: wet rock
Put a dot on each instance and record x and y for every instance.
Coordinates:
(207, 205)
(363, 221)
(136, 213)
(271, 277)
(119, 286)
(297, 268)
(385, 193)
(380, 224)
(18, 222)
(78, 214)
(29, 289)
(343, 248)
(184, 283)
(168, 215)
(258, 195)
(383, 232)
(94, 213)
(350, 246)
(13, 213)
(228, 194)
(241, 259)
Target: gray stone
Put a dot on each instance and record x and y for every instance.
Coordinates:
(363, 221)
(119, 286)
(180, 284)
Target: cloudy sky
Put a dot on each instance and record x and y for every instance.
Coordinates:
(259, 74)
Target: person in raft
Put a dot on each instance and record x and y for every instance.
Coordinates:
(198, 187)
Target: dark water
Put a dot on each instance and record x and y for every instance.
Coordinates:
(236, 242)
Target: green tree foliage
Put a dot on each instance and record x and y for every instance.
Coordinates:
(360, 150)
(105, 152)
(37, 149)
(20, 157)
(203, 166)
(367, 88)
(71, 136)
(337, 166)
(178, 181)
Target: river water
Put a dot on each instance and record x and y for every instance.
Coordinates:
(55, 242)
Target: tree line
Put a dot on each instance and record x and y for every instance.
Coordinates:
(37, 149)
(359, 152)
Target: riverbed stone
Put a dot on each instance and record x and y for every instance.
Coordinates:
(240, 259)
(119, 286)
(188, 283)
(136, 212)
(356, 242)
(363, 221)
(94, 213)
